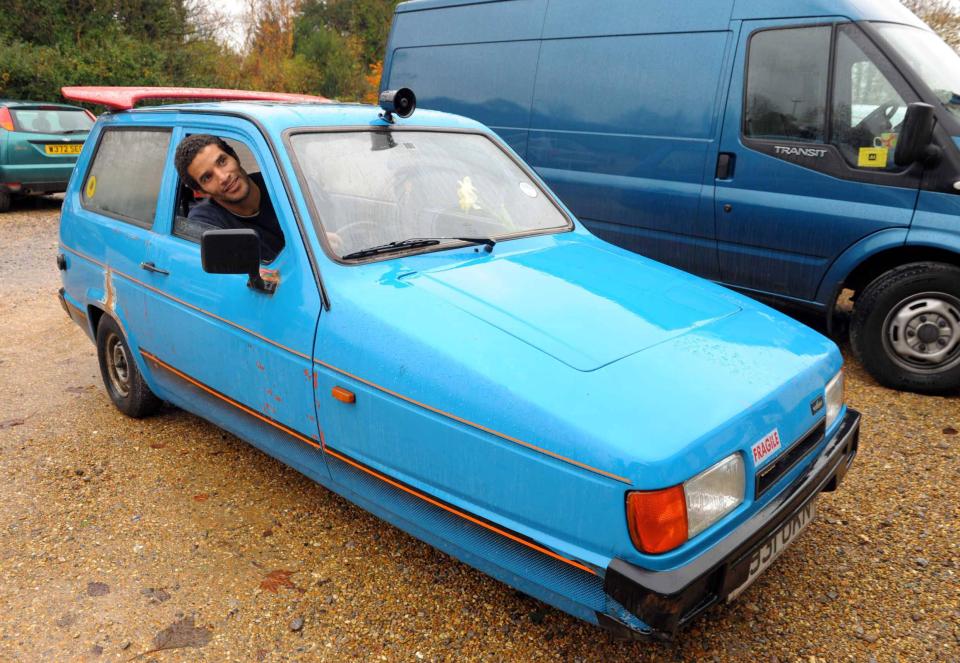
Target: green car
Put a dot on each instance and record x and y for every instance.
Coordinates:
(39, 145)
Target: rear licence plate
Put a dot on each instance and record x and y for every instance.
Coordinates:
(62, 149)
(769, 550)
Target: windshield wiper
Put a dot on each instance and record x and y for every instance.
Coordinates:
(416, 242)
(412, 243)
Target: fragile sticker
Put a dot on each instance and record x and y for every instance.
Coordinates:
(873, 157)
(766, 447)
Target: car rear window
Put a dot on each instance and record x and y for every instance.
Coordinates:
(124, 179)
(50, 121)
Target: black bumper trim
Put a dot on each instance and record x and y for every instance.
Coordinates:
(666, 600)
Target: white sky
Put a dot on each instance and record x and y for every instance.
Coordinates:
(234, 8)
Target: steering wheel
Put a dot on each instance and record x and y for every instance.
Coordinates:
(879, 119)
(351, 233)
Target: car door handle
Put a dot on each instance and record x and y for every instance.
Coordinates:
(150, 267)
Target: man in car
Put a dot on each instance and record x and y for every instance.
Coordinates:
(207, 164)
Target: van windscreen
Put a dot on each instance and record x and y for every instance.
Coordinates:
(930, 57)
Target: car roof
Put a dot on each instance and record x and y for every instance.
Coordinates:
(280, 116)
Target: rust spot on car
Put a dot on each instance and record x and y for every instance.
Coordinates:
(259, 366)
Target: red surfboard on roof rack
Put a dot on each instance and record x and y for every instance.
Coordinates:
(124, 98)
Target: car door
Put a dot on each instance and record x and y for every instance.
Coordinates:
(810, 127)
(236, 355)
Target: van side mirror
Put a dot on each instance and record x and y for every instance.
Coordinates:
(916, 135)
(234, 252)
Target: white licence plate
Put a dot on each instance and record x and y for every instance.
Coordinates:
(764, 556)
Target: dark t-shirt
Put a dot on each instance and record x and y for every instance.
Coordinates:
(265, 223)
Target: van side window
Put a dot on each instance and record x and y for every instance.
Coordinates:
(787, 84)
(867, 110)
(124, 179)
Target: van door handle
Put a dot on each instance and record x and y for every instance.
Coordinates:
(150, 267)
(725, 163)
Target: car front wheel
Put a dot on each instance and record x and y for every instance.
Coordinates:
(905, 328)
(120, 374)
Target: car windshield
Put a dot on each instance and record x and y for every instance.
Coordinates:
(371, 188)
(934, 61)
(51, 121)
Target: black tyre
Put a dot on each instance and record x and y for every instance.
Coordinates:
(120, 374)
(4, 201)
(905, 328)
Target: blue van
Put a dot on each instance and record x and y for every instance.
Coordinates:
(805, 151)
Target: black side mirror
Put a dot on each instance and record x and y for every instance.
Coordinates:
(234, 252)
(916, 135)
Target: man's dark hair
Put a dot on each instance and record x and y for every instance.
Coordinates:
(187, 151)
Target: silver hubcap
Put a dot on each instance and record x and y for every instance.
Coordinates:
(923, 332)
(117, 366)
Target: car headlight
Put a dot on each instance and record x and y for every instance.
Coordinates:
(661, 520)
(714, 493)
(833, 395)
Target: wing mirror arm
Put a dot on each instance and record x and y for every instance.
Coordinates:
(235, 252)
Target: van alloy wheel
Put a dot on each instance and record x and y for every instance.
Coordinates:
(922, 332)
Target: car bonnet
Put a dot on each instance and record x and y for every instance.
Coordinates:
(582, 304)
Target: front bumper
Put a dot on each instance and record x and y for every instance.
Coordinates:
(666, 600)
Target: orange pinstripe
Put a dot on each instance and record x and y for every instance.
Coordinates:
(267, 420)
(457, 512)
(382, 477)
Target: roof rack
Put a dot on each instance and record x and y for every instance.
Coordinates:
(125, 98)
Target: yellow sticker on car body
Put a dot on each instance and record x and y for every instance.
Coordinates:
(873, 157)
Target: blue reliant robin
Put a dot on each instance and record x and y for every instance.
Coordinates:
(438, 339)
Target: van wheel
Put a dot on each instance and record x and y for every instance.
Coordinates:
(905, 328)
(4, 201)
(120, 374)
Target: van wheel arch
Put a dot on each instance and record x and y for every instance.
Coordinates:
(868, 270)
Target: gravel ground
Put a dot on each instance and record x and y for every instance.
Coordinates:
(170, 540)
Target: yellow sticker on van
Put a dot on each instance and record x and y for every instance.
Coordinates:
(873, 157)
(91, 186)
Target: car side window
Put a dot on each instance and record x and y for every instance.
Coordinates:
(867, 110)
(123, 180)
(787, 77)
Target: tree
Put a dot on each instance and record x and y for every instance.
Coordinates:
(47, 44)
(941, 15)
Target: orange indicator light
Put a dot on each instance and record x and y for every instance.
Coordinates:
(343, 395)
(657, 519)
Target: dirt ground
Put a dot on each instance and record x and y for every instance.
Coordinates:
(167, 539)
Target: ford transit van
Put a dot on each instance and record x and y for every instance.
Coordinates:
(792, 150)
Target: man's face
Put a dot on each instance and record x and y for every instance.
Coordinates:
(220, 175)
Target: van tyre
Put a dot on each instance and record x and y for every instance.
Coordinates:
(905, 327)
(4, 201)
(120, 374)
